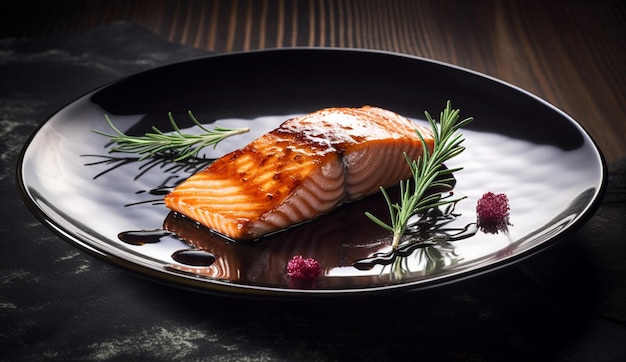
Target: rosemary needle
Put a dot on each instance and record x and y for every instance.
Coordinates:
(417, 194)
(157, 142)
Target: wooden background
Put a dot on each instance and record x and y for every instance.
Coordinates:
(571, 53)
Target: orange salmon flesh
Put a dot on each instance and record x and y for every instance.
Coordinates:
(305, 168)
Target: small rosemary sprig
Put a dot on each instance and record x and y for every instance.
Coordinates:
(423, 191)
(157, 142)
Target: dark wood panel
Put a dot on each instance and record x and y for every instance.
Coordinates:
(569, 52)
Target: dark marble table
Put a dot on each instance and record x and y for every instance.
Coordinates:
(57, 303)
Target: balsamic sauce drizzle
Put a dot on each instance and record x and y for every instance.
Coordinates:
(192, 257)
(439, 239)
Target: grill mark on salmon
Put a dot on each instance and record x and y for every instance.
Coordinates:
(305, 168)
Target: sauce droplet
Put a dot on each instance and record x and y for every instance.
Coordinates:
(141, 237)
(161, 190)
(194, 257)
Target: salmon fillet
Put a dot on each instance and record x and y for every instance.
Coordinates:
(305, 168)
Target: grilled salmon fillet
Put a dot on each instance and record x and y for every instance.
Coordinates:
(304, 168)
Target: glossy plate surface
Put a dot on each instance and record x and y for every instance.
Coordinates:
(110, 204)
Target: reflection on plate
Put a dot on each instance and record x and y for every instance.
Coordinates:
(110, 205)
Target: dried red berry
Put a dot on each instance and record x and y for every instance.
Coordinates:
(492, 211)
(301, 268)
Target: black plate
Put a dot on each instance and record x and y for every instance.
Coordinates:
(549, 167)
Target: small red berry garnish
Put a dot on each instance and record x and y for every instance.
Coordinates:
(300, 268)
(492, 211)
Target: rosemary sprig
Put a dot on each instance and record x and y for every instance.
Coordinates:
(158, 142)
(419, 193)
